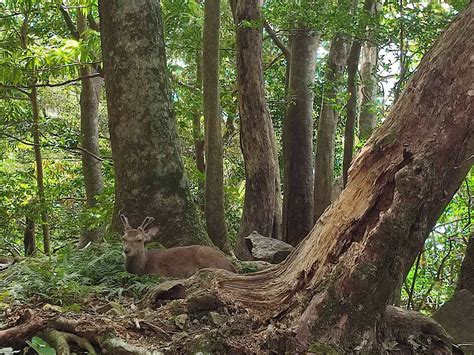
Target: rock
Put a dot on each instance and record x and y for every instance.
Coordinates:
(457, 317)
(181, 320)
(216, 318)
(267, 249)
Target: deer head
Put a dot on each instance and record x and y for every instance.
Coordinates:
(134, 239)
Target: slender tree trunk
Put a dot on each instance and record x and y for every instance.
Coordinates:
(214, 206)
(91, 166)
(367, 118)
(402, 52)
(368, 70)
(29, 238)
(298, 138)
(39, 172)
(256, 128)
(149, 172)
(198, 135)
(352, 88)
(326, 135)
(398, 186)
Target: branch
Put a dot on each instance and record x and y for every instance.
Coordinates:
(277, 41)
(93, 23)
(48, 84)
(69, 149)
(70, 25)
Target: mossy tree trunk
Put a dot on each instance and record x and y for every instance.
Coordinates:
(298, 138)
(214, 202)
(255, 126)
(149, 172)
(91, 163)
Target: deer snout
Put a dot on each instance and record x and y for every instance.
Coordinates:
(127, 250)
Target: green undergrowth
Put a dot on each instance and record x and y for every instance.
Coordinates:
(68, 278)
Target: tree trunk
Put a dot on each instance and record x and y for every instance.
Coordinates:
(367, 118)
(326, 136)
(352, 66)
(298, 138)
(91, 164)
(398, 186)
(466, 274)
(149, 172)
(29, 238)
(198, 137)
(256, 128)
(39, 172)
(214, 205)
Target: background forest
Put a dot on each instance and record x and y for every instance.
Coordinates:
(57, 186)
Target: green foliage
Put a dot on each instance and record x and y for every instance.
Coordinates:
(69, 277)
(40, 346)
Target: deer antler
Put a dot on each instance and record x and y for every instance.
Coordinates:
(146, 222)
(125, 221)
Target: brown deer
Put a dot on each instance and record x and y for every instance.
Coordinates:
(178, 262)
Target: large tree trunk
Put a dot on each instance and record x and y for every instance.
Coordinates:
(397, 188)
(298, 138)
(326, 135)
(149, 172)
(91, 163)
(256, 128)
(214, 205)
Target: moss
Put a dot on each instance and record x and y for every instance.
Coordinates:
(322, 348)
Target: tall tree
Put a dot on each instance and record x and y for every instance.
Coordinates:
(35, 130)
(399, 184)
(369, 60)
(149, 172)
(91, 163)
(214, 202)
(298, 138)
(256, 129)
(352, 88)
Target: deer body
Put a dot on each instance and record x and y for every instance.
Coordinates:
(178, 262)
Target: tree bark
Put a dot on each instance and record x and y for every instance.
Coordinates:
(466, 274)
(214, 205)
(91, 166)
(326, 134)
(39, 172)
(298, 138)
(29, 238)
(352, 66)
(256, 128)
(398, 186)
(367, 117)
(149, 172)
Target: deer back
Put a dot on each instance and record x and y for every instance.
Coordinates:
(182, 262)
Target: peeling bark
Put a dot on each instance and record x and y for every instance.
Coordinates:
(149, 172)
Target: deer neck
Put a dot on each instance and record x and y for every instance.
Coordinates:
(136, 264)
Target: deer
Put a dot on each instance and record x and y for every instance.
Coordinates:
(177, 262)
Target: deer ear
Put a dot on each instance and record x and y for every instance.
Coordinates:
(125, 222)
(151, 233)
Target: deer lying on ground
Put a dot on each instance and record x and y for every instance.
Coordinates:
(178, 262)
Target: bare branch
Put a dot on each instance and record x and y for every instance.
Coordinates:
(278, 42)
